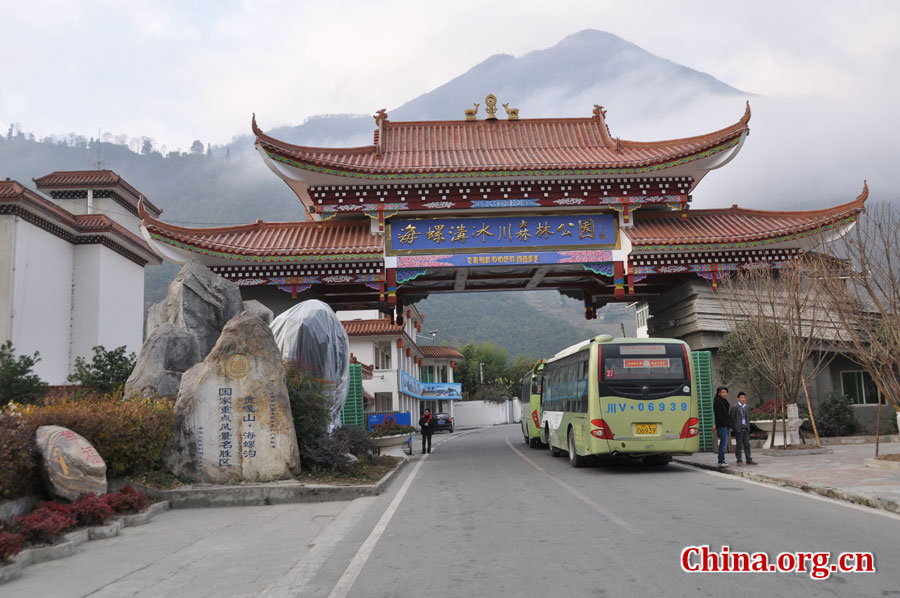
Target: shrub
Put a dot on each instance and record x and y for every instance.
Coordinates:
(325, 453)
(126, 499)
(45, 523)
(765, 410)
(390, 428)
(835, 416)
(17, 383)
(18, 470)
(358, 442)
(130, 434)
(310, 407)
(92, 510)
(10, 545)
(108, 370)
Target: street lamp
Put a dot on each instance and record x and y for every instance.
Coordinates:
(433, 334)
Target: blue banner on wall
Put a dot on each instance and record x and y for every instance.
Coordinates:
(429, 391)
(501, 233)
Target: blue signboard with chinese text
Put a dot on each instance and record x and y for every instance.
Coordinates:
(409, 236)
(429, 391)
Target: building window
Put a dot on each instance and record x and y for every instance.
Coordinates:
(382, 355)
(384, 401)
(641, 313)
(859, 386)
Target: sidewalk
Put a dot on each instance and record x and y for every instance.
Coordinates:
(841, 475)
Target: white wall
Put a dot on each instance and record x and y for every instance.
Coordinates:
(109, 301)
(42, 300)
(483, 413)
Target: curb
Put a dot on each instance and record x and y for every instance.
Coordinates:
(271, 493)
(71, 540)
(826, 491)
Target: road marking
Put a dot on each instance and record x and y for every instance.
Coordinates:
(577, 494)
(345, 583)
(793, 491)
(295, 581)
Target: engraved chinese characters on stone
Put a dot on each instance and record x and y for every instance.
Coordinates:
(233, 418)
(71, 466)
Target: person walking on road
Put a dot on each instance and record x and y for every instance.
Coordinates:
(426, 426)
(740, 425)
(722, 423)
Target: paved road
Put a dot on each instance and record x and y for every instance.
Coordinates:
(484, 515)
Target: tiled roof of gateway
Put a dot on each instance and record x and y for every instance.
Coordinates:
(274, 238)
(734, 225)
(89, 179)
(459, 145)
(435, 352)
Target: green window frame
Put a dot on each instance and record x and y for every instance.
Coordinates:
(859, 386)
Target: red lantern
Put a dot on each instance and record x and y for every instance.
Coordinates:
(399, 343)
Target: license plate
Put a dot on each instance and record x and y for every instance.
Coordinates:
(645, 428)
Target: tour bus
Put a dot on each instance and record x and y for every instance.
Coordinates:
(633, 397)
(531, 405)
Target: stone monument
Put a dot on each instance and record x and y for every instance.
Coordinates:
(70, 465)
(233, 417)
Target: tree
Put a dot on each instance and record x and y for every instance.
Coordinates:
(487, 359)
(146, 146)
(735, 368)
(785, 324)
(107, 371)
(17, 383)
(865, 297)
(197, 147)
(208, 150)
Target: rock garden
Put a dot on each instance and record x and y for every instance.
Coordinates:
(215, 399)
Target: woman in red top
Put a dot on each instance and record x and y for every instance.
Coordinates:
(426, 425)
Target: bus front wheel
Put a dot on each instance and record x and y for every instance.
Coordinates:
(575, 460)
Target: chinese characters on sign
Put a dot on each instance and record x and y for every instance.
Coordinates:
(479, 234)
(272, 415)
(249, 436)
(225, 430)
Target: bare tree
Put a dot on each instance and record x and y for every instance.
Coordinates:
(865, 297)
(782, 324)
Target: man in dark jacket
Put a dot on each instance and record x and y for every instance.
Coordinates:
(426, 426)
(721, 408)
(740, 424)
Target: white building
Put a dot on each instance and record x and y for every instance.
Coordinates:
(71, 268)
(406, 376)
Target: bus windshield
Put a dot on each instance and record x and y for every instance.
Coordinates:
(644, 370)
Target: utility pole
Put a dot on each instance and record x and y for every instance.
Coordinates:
(622, 324)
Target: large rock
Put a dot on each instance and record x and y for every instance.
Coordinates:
(312, 338)
(233, 416)
(70, 465)
(156, 316)
(167, 353)
(257, 308)
(200, 302)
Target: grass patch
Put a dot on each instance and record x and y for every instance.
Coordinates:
(364, 472)
(158, 480)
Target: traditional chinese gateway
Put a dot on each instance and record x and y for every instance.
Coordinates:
(496, 205)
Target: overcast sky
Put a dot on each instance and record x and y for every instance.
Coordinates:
(179, 70)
